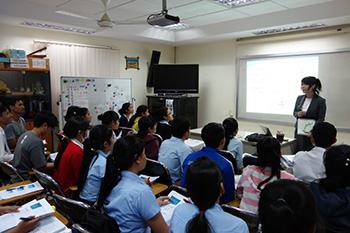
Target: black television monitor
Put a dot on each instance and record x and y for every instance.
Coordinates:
(176, 78)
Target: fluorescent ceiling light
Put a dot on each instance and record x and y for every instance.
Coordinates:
(236, 3)
(55, 27)
(178, 26)
(288, 29)
(71, 14)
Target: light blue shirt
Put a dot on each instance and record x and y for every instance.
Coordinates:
(220, 221)
(94, 178)
(235, 146)
(172, 153)
(132, 203)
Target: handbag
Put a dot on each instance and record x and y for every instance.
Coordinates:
(255, 137)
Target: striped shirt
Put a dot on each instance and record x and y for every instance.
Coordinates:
(247, 187)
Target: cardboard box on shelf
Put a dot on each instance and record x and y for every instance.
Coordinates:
(39, 63)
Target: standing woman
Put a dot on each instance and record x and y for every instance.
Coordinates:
(309, 106)
(125, 113)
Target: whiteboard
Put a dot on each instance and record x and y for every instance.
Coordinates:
(95, 93)
(332, 68)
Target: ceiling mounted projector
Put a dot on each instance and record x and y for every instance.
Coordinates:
(162, 19)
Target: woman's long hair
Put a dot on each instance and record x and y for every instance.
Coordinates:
(124, 108)
(310, 80)
(97, 137)
(269, 156)
(203, 183)
(126, 150)
(230, 125)
(71, 129)
(140, 109)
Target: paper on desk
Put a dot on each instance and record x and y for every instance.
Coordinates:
(35, 208)
(168, 210)
(289, 159)
(49, 225)
(20, 190)
(53, 156)
(151, 178)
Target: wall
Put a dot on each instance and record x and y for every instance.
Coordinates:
(218, 73)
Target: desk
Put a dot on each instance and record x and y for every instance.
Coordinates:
(61, 218)
(6, 201)
(236, 202)
(287, 147)
(158, 188)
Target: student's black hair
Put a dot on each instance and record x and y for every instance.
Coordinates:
(324, 134)
(45, 117)
(124, 108)
(231, 125)
(212, 134)
(269, 155)
(83, 111)
(179, 126)
(144, 124)
(107, 117)
(337, 164)
(2, 109)
(98, 135)
(287, 206)
(203, 183)
(11, 102)
(125, 151)
(160, 113)
(310, 80)
(71, 129)
(71, 111)
(140, 109)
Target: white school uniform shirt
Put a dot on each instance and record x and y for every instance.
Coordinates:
(5, 153)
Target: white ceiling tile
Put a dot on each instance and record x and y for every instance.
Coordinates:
(299, 3)
(197, 9)
(222, 16)
(260, 8)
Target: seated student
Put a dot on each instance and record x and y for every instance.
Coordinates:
(96, 149)
(85, 113)
(147, 127)
(287, 206)
(141, 111)
(111, 119)
(29, 151)
(125, 113)
(204, 183)
(18, 125)
(213, 135)
(332, 194)
(173, 151)
(163, 116)
(254, 178)
(71, 111)
(308, 165)
(23, 226)
(5, 119)
(124, 195)
(70, 156)
(232, 144)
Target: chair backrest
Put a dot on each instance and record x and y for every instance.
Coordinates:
(49, 183)
(156, 168)
(251, 218)
(159, 138)
(249, 159)
(10, 170)
(179, 189)
(74, 209)
(231, 157)
(77, 228)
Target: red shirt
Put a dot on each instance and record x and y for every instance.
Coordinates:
(68, 169)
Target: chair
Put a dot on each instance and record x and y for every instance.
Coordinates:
(251, 218)
(230, 157)
(179, 189)
(49, 183)
(75, 210)
(10, 170)
(156, 168)
(159, 138)
(249, 159)
(77, 228)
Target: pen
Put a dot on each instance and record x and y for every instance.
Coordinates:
(26, 219)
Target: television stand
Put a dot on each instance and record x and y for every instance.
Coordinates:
(183, 106)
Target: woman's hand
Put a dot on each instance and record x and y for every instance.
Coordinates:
(301, 113)
(163, 200)
(25, 226)
(8, 209)
(148, 182)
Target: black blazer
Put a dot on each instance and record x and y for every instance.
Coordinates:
(316, 110)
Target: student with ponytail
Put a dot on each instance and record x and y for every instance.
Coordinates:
(204, 183)
(287, 206)
(254, 178)
(141, 111)
(125, 196)
(309, 106)
(125, 113)
(96, 149)
(68, 161)
(111, 118)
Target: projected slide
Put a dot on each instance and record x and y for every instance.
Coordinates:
(272, 85)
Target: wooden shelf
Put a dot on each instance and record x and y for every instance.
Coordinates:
(31, 69)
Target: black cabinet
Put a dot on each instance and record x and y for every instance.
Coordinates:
(183, 106)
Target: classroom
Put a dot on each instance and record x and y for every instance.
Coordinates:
(216, 46)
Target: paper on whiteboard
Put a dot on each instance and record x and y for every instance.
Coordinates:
(305, 125)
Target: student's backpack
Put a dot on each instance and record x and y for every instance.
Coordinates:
(97, 221)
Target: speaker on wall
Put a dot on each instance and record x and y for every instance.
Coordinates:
(154, 60)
